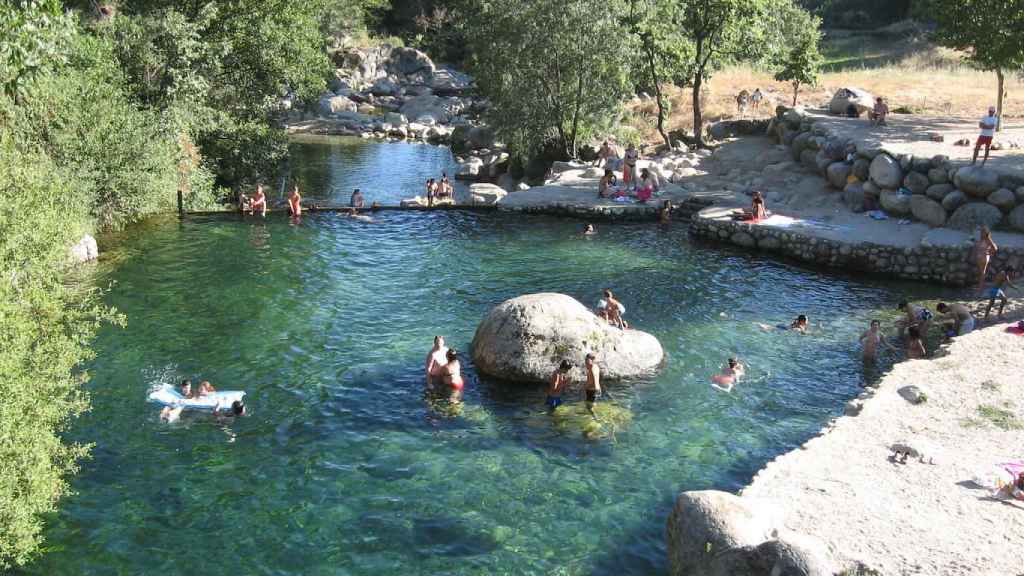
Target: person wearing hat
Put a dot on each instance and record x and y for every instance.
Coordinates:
(988, 130)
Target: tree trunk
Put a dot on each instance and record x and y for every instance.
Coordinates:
(999, 101)
(698, 119)
(657, 92)
(796, 91)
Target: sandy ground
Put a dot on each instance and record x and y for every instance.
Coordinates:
(916, 518)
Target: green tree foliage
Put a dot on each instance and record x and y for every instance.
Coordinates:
(33, 36)
(664, 49)
(218, 71)
(989, 31)
(724, 31)
(553, 70)
(800, 64)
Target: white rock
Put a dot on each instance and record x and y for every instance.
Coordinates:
(85, 250)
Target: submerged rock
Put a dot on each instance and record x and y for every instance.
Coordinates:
(525, 338)
(85, 250)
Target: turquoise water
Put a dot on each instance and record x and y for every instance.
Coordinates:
(343, 467)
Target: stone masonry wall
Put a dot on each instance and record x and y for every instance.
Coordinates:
(941, 264)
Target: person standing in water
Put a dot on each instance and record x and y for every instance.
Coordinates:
(451, 375)
(557, 384)
(871, 339)
(665, 214)
(437, 358)
(984, 249)
(295, 202)
(593, 387)
(357, 199)
(915, 346)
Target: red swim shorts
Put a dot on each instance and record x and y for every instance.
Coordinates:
(983, 140)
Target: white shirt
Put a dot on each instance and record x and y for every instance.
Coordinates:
(991, 121)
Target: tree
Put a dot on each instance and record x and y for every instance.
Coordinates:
(801, 64)
(664, 49)
(552, 69)
(722, 31)
(989, 31)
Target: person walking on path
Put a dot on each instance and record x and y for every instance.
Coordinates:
(756, 98)
(984, 249)
(988, 131)
(996, 292)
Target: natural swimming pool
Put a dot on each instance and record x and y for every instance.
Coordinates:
(343, 468)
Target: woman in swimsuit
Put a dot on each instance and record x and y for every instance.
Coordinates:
(452, 375)
(984, 250)
(629, 165)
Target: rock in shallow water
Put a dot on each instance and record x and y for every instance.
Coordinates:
(525, 338)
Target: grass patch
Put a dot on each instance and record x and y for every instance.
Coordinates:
(1000, 417)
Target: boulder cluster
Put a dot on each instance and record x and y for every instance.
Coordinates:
(930, 190)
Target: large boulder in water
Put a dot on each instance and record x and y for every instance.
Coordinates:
(525, 338)
(713, 533)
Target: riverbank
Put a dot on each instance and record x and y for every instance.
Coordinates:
(916, 518)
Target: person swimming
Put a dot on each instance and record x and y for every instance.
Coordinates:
(236, 409)
(589, 230)
(205, 388)
(731, 373)
(172, 413)
(557, 384)
(799, 325)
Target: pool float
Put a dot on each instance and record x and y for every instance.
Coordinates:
(168, 395)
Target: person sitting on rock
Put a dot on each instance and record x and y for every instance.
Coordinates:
(879, 112)
(615, 310)
(605, 188)
(357, 199)
(996, 292)
(962, 320)
(757, 211)
(988, 131)
(649, 184)
(556, 385)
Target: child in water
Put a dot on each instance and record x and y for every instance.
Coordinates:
(731, 373)
(915, 346)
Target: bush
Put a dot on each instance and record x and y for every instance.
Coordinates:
(47, 328)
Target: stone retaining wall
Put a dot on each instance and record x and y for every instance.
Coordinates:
(931, 190)
(943, 264)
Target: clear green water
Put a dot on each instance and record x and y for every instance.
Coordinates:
(343, 468)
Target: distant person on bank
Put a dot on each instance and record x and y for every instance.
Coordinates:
(756, 98)
(295, 202)
(984, 249)
(605, 188)
(879, 113)
(607, 156)
(757, 211)
(629, 166)
(649, 184)
(357, 199)
(1002, 280)
(988, 131)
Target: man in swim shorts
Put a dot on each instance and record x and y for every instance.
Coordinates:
(559, 380)
(988, 131)
(593, 387)
(918, 316)
(963, 321)
(996, 292)
(437, 358)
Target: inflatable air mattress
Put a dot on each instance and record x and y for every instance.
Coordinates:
(168, 395)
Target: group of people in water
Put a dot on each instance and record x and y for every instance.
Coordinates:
(205, 390)
(256, 203)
